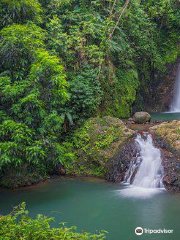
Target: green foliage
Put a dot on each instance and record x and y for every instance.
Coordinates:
(64, 61)
(144, 42)
(82, 58)
(86, 94)
(19, 11)
(33, 91)
(18, 225)
(18, 44)
(15, 140)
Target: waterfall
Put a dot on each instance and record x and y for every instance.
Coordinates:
(175, 105)
(146, 172)
(149, 174)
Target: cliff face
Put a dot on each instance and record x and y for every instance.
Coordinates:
(164, 92)
(157, 96)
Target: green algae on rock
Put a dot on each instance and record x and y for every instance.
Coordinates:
(96, 143)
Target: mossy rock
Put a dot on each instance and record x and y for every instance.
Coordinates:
(96, 143)
(141, 117)
(168, 138)
(169, 132)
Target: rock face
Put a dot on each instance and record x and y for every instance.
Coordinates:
(117, 167)
(161, 90)
(141, 117)
(96, 143)
(168, 138)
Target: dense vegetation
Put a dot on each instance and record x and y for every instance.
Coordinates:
(18, 225)
(64, 61)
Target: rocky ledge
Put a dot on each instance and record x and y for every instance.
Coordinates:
(167, 136)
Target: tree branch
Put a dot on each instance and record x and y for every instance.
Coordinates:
(119, 18)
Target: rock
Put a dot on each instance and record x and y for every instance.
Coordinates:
(168, 138)
(58, 169)
(117, 167)
(130, 119)
(169, 133)
(62, 171)
(141, 117)
(96, 143)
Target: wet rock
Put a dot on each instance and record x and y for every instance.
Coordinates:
(141, 117)
(120, 163)
(168, 138)
(162, 89)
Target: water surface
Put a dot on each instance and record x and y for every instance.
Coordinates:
(165, 116)
(93, 206)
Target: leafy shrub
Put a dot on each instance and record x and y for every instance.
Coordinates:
(19, 11)
(18, 225)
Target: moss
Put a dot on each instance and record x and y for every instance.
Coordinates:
(119, 92)
(96, 143)
(169, 133)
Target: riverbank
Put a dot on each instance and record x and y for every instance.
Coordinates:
(88, 151)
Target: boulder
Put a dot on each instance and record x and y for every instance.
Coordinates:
(96, 143)
(141, 117)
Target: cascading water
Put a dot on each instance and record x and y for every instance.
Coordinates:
(150, 172)
(175, 105)
(147, 169)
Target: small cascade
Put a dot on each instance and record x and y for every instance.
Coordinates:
(132, 170)
(175, 105)
(145, 173)
(150, 172)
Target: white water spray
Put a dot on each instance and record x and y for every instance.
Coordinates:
(149, 174)
(175, 106)
(148, 178)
